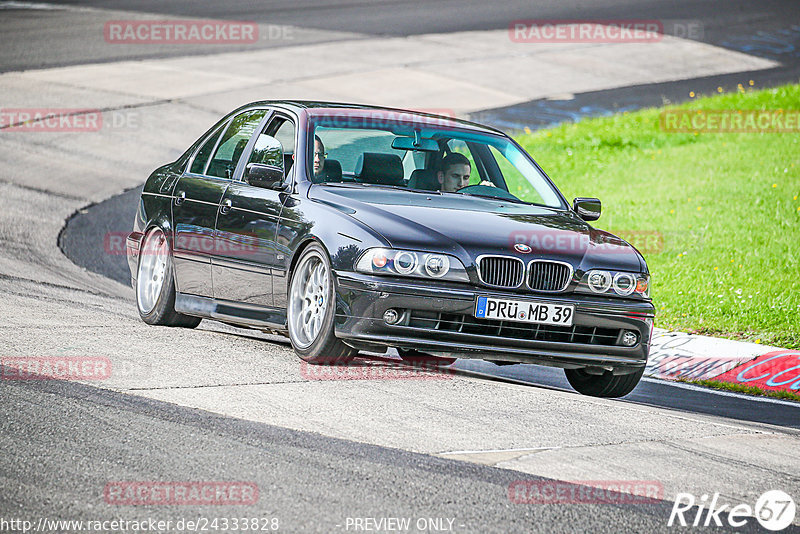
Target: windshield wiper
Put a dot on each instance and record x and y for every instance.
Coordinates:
(499, 199)
(382, 186)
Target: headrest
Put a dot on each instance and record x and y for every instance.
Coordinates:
(237, 151)
(377, 168)
(424, 179)
(331, 172)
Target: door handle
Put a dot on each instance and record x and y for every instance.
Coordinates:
(180, 197)
(225, 207)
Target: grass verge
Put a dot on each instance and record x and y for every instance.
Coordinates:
(716, 215)
(747, 390)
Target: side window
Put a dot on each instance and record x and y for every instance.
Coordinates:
(285, 134)
(200, 160)
(283, 130)
(233, 142)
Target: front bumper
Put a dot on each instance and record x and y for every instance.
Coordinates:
(438, 318)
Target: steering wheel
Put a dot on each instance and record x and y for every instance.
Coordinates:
(486, 191)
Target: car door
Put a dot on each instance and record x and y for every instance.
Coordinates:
(248, 221)
(197, 197)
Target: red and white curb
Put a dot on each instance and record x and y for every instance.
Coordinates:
(676, 355)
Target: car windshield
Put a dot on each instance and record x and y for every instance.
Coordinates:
(421, 155)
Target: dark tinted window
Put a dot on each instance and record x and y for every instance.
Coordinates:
(200, 160)
(233, 142)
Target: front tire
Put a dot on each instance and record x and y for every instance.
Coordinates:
(155, 284)
(604, 385)
(312, 308)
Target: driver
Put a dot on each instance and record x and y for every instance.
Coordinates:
(454, 173)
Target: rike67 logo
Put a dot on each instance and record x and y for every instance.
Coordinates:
(774, 510)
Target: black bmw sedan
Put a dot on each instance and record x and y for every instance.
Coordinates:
(351, 228)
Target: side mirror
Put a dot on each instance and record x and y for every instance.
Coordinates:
(263, 175)
(587, 209)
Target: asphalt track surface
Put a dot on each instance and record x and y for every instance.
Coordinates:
(121, 437)
(64, 441)
(33, 39)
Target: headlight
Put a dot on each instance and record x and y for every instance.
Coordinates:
(409, 263)
(437, 265)
(405, 262)
(599, 281)
(622, 284)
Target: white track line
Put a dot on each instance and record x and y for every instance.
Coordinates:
(703, 389)
(534, 449)
(41, 6)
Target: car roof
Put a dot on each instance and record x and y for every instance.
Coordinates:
(320, 108)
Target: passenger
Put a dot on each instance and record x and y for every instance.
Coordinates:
(319, 157)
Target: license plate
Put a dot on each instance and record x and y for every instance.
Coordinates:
(524, 311)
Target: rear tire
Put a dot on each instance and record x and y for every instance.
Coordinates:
(155, 284)
(312, 309)
(605, 385)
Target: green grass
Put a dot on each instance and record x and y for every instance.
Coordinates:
(746, 390)
(725, 204)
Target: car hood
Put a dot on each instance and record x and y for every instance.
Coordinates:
(470, 226)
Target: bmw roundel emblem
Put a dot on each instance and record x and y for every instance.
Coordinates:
(522, 248)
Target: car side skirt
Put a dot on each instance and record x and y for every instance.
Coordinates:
(272, 320)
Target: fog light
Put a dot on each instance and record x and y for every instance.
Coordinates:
(629, 338)
(391, 316)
